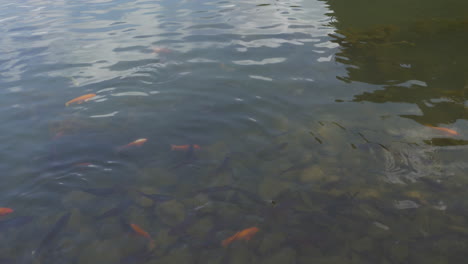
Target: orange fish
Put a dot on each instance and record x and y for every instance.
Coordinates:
(184, 147)
(446, 130)
(245, 234)
(140, 231)
(143, 233)
(80, 99)
(161, 50)
(5, 211)
(136, 143)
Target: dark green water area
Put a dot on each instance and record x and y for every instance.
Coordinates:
(296, 131)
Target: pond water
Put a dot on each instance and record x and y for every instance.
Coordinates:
(288, 131)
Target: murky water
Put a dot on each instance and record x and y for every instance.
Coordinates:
(337, 129)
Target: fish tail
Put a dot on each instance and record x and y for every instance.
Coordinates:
(227, 241)
(120, 149)
(173, 147)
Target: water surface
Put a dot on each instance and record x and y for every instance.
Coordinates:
(336, 128)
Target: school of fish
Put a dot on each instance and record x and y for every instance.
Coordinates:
(242, 235)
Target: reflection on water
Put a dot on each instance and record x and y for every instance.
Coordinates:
(233, 132)
(421, 61)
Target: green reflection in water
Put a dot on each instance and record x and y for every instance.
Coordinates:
(417, 57)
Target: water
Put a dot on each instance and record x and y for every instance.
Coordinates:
(317, 122)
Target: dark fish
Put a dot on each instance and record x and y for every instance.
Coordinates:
(53, 233)
(158, 198)
(118, 210)
(338, 125)
(15, 222)
(363, 137)
(384, 147)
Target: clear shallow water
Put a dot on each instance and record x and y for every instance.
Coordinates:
(313, 120)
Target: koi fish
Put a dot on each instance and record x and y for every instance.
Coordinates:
(136, 143)
(53, 233)
(184, 147)
(445, 130)
(138, 230)
(80, 99)
(245, 234)
(189, 158)
(161, 50)
(5, 211)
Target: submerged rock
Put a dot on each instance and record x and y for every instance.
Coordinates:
(179, 256)
(272, 187)
(284, 256)
(240, 254)
(271, 242)
(171, 212)
(77, 199)
(312, 174)
(363, 244)
(93, 253)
